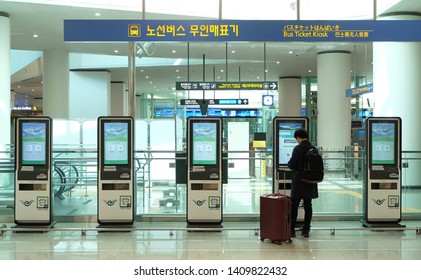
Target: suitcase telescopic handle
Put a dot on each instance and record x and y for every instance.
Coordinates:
(284, 177)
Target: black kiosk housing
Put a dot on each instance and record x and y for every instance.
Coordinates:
(382, 172)
(204, 172)
(33, 174)
(116, 188)
(283, 144)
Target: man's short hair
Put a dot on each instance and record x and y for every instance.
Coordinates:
(302, 133)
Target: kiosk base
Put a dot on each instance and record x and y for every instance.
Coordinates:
(383, 224)
(204, 226)
(120, 227)
(32, 227)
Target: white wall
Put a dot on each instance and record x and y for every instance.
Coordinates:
(89, 94)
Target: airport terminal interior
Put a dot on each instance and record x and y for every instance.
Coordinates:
(160, 163)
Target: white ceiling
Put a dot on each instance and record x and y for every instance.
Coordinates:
(246, 64)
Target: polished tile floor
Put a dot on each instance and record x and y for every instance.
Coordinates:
(236, 241)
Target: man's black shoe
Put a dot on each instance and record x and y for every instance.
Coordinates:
(305, 233)
(293, 233)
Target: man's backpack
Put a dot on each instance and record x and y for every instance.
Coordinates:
(313, 167)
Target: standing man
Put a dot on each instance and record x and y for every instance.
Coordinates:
(299, 189)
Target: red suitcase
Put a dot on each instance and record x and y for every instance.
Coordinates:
(275, 217)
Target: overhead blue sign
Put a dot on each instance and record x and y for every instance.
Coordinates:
(216, 101)
(226, 85)
(242, 30)
(359, 90)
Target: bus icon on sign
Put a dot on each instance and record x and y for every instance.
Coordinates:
(134, 30)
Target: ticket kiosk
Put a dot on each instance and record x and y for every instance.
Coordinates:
(33, 186)
(204, 172)
(382, 176)
(116, 191)
(283, 144)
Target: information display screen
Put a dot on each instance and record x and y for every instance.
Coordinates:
(383, 143)
(286, 140)
(34, 143)
(204, 143)
(116, 143)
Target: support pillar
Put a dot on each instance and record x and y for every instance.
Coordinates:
(5, 120)
(397, 88)
(56, 84)
(333, 107)
(289, 96)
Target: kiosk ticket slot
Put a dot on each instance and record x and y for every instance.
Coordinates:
(33, 190)
(283, 144)
(115, 171)
(382, 204)
(204, 178)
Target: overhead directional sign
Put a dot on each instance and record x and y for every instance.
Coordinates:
(242, 30)
(359, 90)
(226, 85)
(215, 101)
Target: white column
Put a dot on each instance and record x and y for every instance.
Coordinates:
(289, 96)
(56, 84)
(4, 80)
(333, 107)
(119, 99)
(397, 91)
(4, 91)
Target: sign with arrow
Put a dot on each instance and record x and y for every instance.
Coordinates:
(215, 101)
(226, 85)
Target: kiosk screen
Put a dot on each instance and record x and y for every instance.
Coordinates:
(116, 143)
(204, 143)
(34, 138)
(383, 143)
(286, 139)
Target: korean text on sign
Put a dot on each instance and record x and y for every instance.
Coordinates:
(202, 30)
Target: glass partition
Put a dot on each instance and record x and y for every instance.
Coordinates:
(6, 181)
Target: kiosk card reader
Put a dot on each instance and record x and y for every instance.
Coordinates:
(204, 172)
(283, 144)
(116, 191)
(382, 176)
(33, 186)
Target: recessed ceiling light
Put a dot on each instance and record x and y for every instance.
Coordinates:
(278, 62)
(174, 51)
(309, 71)
(97, 14)
(116, 51)
(290, 52)
(222, 70)
(232, 51)
(35, 35)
